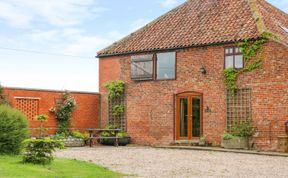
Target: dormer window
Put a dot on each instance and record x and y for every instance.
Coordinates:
(233, 58)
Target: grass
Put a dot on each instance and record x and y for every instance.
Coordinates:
(11, 167)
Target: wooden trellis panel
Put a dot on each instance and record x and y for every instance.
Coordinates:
(29, 106)
(120, 120)
(239, 106)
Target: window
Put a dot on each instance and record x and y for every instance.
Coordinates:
(166, 65)
(233, 58)
(142, 67)
(160, 66)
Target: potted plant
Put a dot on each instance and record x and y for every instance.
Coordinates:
(202, 141)
(123, 137)
(238, 137)
(75, 139)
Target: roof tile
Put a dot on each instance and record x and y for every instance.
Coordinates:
(200, 22)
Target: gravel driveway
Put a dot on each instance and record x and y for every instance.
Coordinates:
(152, 162)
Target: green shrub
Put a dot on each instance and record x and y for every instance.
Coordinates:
(40, 151)
(77, 134)
(115, 88)
(228, 136)
(58, 136)
(243, 128)
(13, 130)
(122, 134)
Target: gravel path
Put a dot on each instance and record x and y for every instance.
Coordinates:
(152, 162)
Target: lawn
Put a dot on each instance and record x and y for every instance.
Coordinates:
(11, 167)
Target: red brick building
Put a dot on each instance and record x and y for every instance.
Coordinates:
(173, 73)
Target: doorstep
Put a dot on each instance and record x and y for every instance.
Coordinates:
(218, 149)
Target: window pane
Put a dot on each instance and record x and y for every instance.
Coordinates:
(183, 117)
(227, 51)
(142, 67)
(228, 62)
(166, 65)
(237, 50)
(230, 50)
(239, 61)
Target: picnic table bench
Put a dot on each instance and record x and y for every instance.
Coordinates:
(98, 131)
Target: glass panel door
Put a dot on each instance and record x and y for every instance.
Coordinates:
(188, 117)
(196, 116)
(183, 117)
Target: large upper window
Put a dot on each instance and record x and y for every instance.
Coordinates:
(160, 66)
(233, 58)
(166, 65)
(142, 67)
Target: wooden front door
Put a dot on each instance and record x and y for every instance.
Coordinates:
(188, 116)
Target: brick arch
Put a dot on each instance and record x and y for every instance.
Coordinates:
(183, 92)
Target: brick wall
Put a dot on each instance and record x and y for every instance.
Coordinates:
(150, 104)
(270, 95)
(86, 114)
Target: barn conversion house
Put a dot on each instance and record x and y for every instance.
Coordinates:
(176, 72)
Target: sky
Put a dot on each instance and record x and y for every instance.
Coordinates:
(51, 44)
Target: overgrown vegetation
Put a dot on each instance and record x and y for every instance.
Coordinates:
(115, 93)
(118, 109)
(63, 112)
(78, 134)
(115, 88)
(13, 130)
(240, 129)
(250, 49)
(228, 136)
(243, 128)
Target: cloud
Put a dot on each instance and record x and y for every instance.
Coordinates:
(13, 15)
(168, 3)
(87, 45)
(53, 12)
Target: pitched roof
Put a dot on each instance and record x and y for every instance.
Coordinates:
(203, 22)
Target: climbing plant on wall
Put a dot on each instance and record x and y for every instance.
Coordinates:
(63, 112)
(116, 103)
(253, 59)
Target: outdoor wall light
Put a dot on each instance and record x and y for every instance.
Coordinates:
(203, 70)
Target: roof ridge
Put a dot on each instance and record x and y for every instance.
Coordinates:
(261, 24)
(194, 23)
(256, 14)
(146, 26)
(276, 8)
